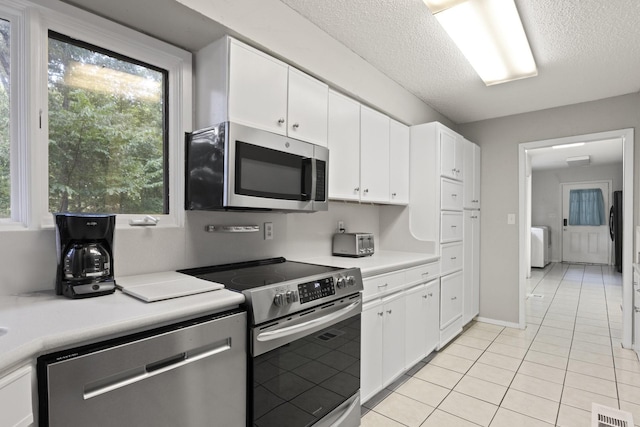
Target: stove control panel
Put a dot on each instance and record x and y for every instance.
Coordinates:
(317, 289)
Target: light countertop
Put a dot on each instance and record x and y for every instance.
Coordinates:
(42, 322)
(378, 263)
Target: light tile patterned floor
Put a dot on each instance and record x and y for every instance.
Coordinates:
(546, 375)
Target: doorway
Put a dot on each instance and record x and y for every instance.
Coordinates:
(626, 136)
(585, 228)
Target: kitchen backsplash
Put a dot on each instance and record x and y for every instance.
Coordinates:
(28, 260)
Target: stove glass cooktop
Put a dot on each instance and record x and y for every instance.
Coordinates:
(254, 274)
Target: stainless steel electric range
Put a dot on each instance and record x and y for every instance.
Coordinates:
(304, 340)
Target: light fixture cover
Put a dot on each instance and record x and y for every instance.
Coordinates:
(579, 161)
(490, 35)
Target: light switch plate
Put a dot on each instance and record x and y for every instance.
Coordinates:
(511, 219)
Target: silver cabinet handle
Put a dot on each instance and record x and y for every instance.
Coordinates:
(383, 286)
(424, 296)
(296, 125)
(454, 226)
(453, 258)
(454, 298)
(454, 195)
(394, 194)
(366, 190)
(381, 313)
(430, 294)
(357, 189)
(389, 311)
(425, 273)
(280, 120)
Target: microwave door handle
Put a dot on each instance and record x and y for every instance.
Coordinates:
(314, 179)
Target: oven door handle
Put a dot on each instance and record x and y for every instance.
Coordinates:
(290, 330)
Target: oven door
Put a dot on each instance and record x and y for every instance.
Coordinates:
(270, 171)
(305, 368)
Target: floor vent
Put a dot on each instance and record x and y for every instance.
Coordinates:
(604, 416)
(539, 296)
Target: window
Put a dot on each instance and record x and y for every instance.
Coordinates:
(5, 119)
(586, 207)
(107, 131)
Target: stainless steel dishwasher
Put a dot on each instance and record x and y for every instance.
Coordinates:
(191, 373)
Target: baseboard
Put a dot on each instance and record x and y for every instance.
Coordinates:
(498, 322)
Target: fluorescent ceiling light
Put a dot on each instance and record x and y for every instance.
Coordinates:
(576, 144)
(490, 35)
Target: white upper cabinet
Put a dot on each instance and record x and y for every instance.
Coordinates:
(451, 154)
(257, 89)
(398, 163)
(374, 156)
(308, 108)
(472, 175)
(344, 147)
(238, 83)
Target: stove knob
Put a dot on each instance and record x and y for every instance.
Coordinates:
(292, 296)
(279, 300)
(351, 280)
(342, 283)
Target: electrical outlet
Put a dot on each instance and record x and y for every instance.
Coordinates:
(268, 231)
(341, 228)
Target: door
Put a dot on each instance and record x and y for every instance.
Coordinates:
(585, 228)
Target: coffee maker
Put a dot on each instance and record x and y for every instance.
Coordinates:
(84, 244)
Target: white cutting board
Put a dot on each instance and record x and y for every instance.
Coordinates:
(160, 286)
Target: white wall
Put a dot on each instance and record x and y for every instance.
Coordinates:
(499, 139)
(546, 206)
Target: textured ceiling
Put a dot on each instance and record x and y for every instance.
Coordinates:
(585, 50)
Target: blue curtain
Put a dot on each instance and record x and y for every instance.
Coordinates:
(586, 207)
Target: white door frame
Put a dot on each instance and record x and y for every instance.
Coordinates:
(606, 208)
(627, 136)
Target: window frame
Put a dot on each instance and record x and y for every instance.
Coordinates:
(80, 25)
(16, 13)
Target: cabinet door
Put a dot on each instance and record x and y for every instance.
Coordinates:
(393, 338)
(344, 147)
(374, 156)
(15, 398)
(459, 158)
(371, 350)
(432, 321)
(450, 299)
(308, 108)
(257, 89)
(471, 243)
(448, 154)
(416, 324)
(472, 175)
(398, 163)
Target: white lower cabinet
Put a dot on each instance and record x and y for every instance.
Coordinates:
(422, 321)
(15, 399)
(382, 343)
(451, 307)
(400, 324)
(471, 264)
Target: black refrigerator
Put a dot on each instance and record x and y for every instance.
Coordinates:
(615, 228)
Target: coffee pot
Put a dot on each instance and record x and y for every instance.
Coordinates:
(84, 244)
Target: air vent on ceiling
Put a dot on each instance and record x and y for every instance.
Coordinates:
(604, 416)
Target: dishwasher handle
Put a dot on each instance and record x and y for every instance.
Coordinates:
(152, 369)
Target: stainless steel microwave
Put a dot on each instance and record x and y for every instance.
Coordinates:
(235, 167)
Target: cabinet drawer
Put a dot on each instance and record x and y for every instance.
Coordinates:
(451, 257)
(450, 227)
(450, 195)
(450, 299)
(383, 283)
(423, 273)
